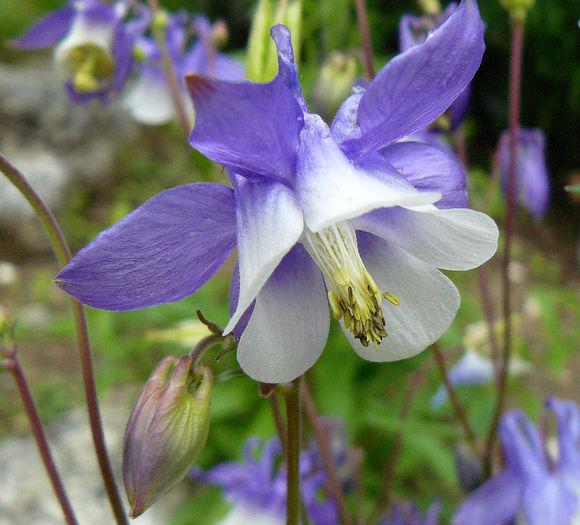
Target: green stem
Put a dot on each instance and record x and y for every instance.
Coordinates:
(63, 256)
(293, 434)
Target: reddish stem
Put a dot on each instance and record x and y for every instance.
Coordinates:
(514, 110)
(363, 24)
(13, 366)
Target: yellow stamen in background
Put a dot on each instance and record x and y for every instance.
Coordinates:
(91, 68)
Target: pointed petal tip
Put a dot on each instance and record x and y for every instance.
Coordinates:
(198, 86)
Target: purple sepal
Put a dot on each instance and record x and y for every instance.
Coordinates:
(250, 128)
(47, 31)
(163, 251)
(429, 169)
(417, 86)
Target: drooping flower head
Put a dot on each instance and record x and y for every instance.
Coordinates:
(533, 486)
(94, 48)
(532, 179)
(149, 99)
(257, 486)
(341, 216)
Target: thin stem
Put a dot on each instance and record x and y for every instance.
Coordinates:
(160, 34)
(13, 366)
(389, 477)
(323, 445)
(277, 415)
(293, 433)
(363, 24)
(489, 316)
(63, 256)
(514, 110)
(455, 403)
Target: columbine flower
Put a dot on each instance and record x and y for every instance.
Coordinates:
(409, 514)
(149, 99)
(318, 215)
(95, 46)
(532, 180)
(414, 30)
(475, 369)
(533, 486)
(257, 487)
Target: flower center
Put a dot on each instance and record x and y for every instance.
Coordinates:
(353, 293)
(91, 67)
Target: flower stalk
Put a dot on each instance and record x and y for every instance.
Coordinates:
(12, 365)
(292, 452)
(62, 252)
(335, 487)
(455, 403)
(159, 28)
(363, 24)
(514, 110)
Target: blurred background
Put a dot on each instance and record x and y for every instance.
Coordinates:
(95, 166)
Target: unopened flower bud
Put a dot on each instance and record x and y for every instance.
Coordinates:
(166, 431)
(219, 34)
(430, 7)
(334, 83)
(518, 9)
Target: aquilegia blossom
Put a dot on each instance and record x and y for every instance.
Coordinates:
(532, 179)
(95, 46)
(257, 486)
(319, 215)
(149, 99)
(534, 487)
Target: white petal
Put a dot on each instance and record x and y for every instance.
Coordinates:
(429, 301)
(451, 239)
(149, 101)
(332, 189)
(270, 222)
(289, 325)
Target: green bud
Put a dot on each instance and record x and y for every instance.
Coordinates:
(518, 9)
(166, 430)
(430, 7)
(334, 83)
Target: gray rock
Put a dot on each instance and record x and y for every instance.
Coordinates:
(54, 142)
(26, 497)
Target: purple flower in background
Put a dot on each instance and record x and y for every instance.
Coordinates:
(149, 99)
(414, 30)
(409, 514)
(532, 179)
(533, 486)
(257, 486)
(474, 369)
(94, 48)
(341, 215)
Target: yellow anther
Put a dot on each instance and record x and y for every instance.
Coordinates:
(373, 288)
(337, 310)
(391, 298)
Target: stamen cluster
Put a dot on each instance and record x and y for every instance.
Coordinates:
(353, 294)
